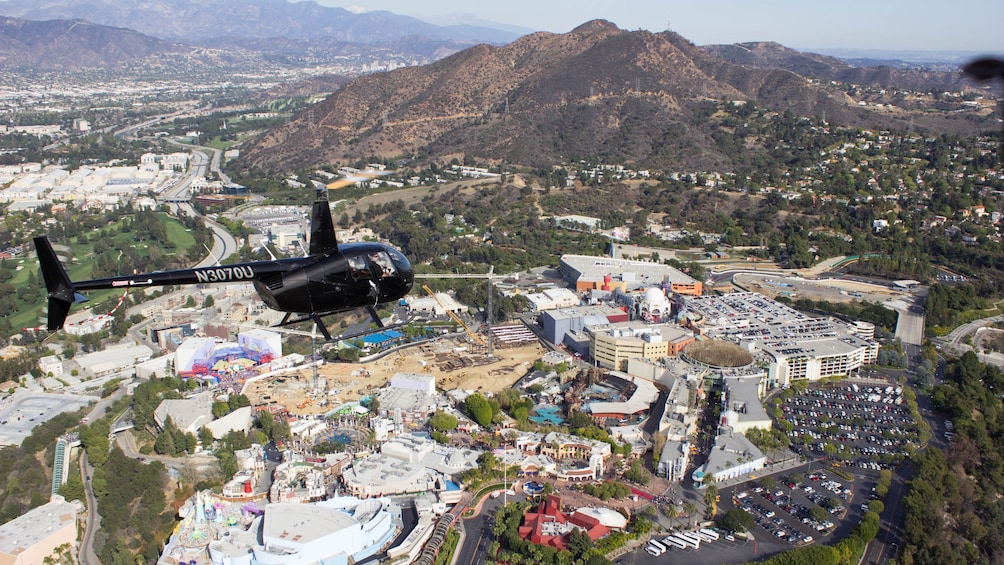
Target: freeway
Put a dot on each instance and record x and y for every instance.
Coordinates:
(224, 243)
(191, 110)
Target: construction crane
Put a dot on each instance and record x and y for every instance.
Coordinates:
(470, 333)
(488, 314)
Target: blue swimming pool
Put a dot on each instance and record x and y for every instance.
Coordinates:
(547, 414)
(342, 437)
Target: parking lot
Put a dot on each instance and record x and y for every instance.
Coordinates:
(20, 413)
(783, 507)
(724, 550)
(866, 426)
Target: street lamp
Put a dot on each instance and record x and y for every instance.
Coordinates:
(505, 477)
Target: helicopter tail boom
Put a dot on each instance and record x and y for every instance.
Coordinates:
(62, 293)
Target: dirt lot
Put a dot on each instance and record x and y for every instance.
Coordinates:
(409, 195)
(833, 290)
(346, 382)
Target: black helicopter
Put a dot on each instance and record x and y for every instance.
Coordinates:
(330, 279)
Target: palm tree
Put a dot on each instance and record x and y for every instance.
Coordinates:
(689, 508)
(710, 498)
(671, 511)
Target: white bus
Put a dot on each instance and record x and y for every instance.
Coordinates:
(692, 539)
(652, 551)
(675, 542)
(657, 545)
(710, 533)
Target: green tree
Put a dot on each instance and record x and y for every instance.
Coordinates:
(768, 483)
(636, 473)
(737, 520)
(443, 422)
(206, 437)
(479, 410)
(73, 488)
(711, 494)
(95, 441)
(164, 444)
(220, 409)
(579, 543)
(818, 513)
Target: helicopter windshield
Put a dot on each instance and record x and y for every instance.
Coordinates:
(400, 260)
(382, 265)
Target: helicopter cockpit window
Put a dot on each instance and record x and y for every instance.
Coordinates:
(358, 267)
(382, 265)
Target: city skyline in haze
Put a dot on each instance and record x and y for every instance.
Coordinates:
(893, 25)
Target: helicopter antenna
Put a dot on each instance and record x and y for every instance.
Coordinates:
(313, 357)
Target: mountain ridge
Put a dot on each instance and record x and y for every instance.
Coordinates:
(194, 20)
(626, 96)
(774, 56)
(62, 44)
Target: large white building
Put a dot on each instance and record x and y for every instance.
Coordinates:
(414, 381)
(112, 360)
(98, 187)
(435, 306)
(552, 299)
(384, 475)
(741, 406)
(611, 346)
(797, 346)
(603, 273)
(732, 456)
(339, 531)
(34, 536)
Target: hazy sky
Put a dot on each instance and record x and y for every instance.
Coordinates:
(968, 25)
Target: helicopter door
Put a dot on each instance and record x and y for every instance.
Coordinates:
(359, 267)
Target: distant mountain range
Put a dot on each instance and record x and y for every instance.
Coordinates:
(206, 20)
(598, 91)
(773, 56)
(65, 44)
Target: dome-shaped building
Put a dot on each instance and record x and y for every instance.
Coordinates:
(655, 306)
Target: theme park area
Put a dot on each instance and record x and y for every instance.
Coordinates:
(215, 362)
(453, 362)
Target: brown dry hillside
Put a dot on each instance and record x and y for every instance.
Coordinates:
(597, 91)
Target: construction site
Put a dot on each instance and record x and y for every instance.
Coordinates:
(455, 362)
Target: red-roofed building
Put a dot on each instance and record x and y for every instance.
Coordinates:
(550, 526)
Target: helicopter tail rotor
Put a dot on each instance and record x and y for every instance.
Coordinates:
(355, 178)
(62, 293)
